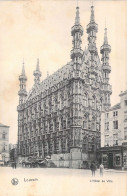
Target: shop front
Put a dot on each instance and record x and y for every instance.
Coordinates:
(124, 146)
(111, 157)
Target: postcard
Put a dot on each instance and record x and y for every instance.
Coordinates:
(63, 98)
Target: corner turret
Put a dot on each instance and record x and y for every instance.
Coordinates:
(106, 69)
(22, 92)
(77, 52)
(92, 29)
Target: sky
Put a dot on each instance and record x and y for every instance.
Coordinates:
(36, 28)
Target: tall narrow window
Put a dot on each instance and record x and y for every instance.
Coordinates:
(107, 126)
(94, 102)
(4, 135)
(107, 115)
(115, 124)
(106, 140)
(85, 100)
(115, 139)
(85, 125)
(125, 135)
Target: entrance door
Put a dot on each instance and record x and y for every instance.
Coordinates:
(110, 160)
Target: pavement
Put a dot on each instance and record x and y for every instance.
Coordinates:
(61, 182)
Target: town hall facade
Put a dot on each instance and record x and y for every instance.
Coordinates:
(61, 115)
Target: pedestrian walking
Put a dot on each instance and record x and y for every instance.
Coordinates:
(93, 168)
(101, 169)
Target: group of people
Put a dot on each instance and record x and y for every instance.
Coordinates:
(93, 168)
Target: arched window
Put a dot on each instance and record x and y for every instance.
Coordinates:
(85, 99)
(54, 123)
(85, 123)
(61, 122)
(68, 120)
(101, 103)
(93, 125)
(94, 102)
(61, 101)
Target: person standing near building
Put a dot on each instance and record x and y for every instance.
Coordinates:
(93, 168)
(12, 164)
(101, 169)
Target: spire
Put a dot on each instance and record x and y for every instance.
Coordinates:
(77, 18)
(106, 69)
(92, 29)
(37, 73)
(105, 37)
(37, 66)
(76, 33)
(92, 14)
(23, 69)
(105, 47)
(22, 92)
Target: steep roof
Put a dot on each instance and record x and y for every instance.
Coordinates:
(115, 107)
(1, 125)
(51, 80)
(56, 77)
(123, 93)
(62, 74)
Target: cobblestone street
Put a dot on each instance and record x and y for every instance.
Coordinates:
(54, 181)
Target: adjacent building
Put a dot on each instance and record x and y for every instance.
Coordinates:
(114, 133)
(13, 152)
(61, 115)
(4, 143)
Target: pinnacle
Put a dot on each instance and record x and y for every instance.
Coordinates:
(105, 37)
(37, 73)
(92, 14)
(23, 70)
(77, 18)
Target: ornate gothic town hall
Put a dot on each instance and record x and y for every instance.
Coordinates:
(60, 116)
